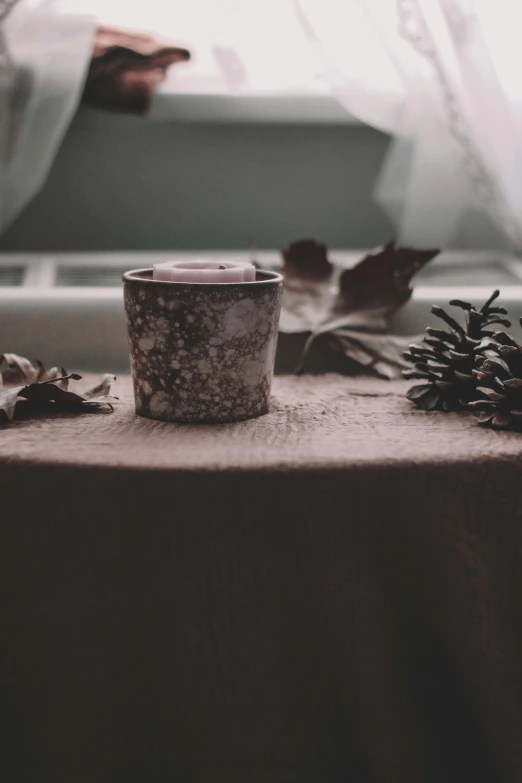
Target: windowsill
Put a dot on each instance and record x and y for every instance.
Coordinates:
(216, 107)
(83, 325)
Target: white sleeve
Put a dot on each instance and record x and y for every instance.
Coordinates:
(45, 52)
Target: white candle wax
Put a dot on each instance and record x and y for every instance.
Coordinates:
(203, 271)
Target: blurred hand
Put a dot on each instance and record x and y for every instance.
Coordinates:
(126, 68)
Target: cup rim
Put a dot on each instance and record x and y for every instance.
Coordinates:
(136, 277)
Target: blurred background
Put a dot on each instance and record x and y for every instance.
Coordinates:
(349, 121)
(352, 120)
(214, 178)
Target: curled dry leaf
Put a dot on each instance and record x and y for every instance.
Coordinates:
(380, 353)
(16, 369)
(29, 382)
(351, 306)
(8, 400)
(306, 304)
(101, 389)
(308, 260)
(380, 283)
(308, 295)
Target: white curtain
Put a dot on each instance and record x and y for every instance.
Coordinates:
(44, 54)
(443, 77)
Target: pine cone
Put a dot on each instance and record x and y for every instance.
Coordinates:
(499, 375)
(446, 359)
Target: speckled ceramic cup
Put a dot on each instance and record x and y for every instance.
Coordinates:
(202, 352)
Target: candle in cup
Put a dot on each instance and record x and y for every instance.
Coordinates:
(203, 271)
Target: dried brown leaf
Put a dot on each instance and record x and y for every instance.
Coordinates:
(50, 392)
(357, 312)
(305, 305)
(17, 370)
(380, 353)
(8, 398)
(308, 260)
(49, 387)
(380, 283)
(47, 391)
(100, 389)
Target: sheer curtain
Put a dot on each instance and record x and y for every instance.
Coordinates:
(44, 55)
(442, 77)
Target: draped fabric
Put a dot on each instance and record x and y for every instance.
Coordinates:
(440, 76)
(46, 52)
(326, 594)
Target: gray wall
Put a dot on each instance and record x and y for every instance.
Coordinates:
(126, 183)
